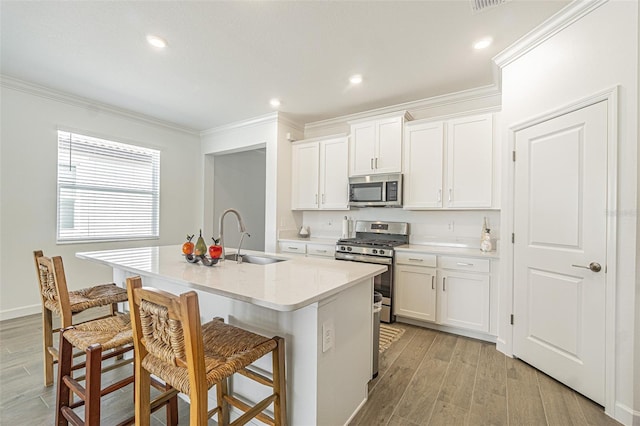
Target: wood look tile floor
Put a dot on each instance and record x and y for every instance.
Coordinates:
(425, 378)
(433, 378)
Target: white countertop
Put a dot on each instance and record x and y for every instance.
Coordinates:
(282, 286)
(448, 250)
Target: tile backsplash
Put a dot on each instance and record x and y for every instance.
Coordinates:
(426, 227)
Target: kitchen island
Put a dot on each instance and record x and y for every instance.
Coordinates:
(322, 308)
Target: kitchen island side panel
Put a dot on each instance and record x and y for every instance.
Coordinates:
(323, 388)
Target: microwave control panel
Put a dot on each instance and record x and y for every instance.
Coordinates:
(392, 191)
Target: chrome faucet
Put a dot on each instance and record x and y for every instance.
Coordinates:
(241, 228)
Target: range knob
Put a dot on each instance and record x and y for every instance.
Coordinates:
(343, 248)
(381, 251)
(375, 251)
(349, 249)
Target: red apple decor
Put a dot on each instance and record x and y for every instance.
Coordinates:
(215, 250)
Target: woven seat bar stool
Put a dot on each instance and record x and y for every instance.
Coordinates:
(172, 344)
(100, 340)
(94, 338)
(74, 301)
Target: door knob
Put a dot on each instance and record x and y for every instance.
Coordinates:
(594, 266)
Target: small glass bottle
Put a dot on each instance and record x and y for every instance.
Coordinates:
(485, 243)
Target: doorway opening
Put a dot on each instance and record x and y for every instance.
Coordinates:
(239, 183)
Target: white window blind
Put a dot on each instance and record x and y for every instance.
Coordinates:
(106, 190)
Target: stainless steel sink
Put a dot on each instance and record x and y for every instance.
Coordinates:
(255, 259)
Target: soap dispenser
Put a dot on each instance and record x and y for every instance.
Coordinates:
(485, 239)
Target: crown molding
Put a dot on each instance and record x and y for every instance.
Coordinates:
(276, 117)
(255, 121)
(286, 119)
(79, 101)
(556, 23)
(413, 106)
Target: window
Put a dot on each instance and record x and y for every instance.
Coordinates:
(106, 190)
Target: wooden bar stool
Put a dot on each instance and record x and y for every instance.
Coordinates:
(94, 338)
(100, 340)
(172, 344)
(54, 298)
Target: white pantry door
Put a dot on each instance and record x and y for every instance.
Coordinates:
(560, 248)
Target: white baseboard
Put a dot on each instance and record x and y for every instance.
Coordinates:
(20, 312)
(626, 415)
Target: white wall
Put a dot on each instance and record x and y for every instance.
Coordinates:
(29, 123)
(595, 53)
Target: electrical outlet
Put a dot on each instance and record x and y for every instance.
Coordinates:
(328, 335)
(450, 226)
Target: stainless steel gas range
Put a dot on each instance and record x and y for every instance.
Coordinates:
(374, 243)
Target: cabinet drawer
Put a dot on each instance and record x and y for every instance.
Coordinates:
(416, 259)
(465, 264)
(292, 247)
(321, 250)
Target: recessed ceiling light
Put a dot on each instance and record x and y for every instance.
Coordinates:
(275, 102)
(355, 79)
(157, 42)
(482, 44)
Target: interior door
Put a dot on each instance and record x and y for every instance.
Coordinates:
(560, 248)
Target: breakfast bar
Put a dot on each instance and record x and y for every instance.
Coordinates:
(321, 307)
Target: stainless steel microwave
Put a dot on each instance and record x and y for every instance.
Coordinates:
(376, 191)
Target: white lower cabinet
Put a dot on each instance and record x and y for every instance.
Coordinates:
(292, 247)
(321, 250)
(415, 295)
(464, 300)
(451, 291)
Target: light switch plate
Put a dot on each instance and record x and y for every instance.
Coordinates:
(328, 335)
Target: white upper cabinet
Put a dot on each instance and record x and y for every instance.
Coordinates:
(449, 164)
(470, 162)
(376, 145)
(305, 158)
(334, 174)
(363, 148)
(423, 161)
(320, 174)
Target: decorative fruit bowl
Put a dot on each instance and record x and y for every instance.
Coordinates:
(195, 253)
(206, 261)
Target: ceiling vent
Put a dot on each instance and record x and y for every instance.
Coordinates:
(481, 5)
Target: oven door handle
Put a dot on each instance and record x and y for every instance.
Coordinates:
(366, 259)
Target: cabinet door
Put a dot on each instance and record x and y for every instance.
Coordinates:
(423, 165)
(305, 163)
(470, 162)
(464, 300)
(334, 174)
(415, 292)
(362, 152)
(388, 158)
